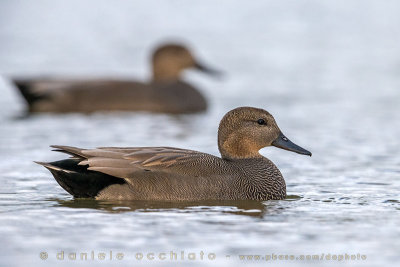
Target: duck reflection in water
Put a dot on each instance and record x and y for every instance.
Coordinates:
(250, 208)
(239, 207)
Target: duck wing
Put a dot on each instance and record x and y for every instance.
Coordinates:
(130, 162)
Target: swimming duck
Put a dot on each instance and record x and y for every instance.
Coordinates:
(165, 93)
(167, 173)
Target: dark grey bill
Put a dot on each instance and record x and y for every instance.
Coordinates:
(208, 70)
(284, 143)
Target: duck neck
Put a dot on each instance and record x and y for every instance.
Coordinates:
(165, 72)
(232, 148)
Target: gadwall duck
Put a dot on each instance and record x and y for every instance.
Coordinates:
(166, 173)
(165, 93)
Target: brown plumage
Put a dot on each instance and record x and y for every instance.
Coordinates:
(166, 173)
(165, 93)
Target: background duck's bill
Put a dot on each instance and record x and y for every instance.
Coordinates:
(283, 142)
(207, 69)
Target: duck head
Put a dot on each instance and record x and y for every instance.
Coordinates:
(170, 60)
(244, 131)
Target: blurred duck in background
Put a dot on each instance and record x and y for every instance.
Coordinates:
(165, 93)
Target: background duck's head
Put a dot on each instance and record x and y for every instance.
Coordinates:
(169, 60)
(244, 131)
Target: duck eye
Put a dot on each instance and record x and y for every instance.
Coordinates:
(261, 122)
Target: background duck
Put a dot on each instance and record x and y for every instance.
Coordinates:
(165, 173)
(165, 93)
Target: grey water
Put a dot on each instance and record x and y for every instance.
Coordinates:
(329, 72)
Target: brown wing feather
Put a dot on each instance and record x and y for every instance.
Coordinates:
(131, 162)
(73, 151)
